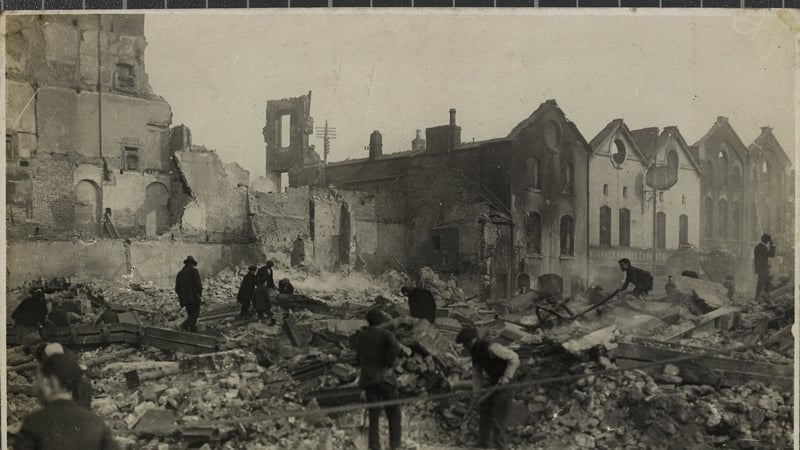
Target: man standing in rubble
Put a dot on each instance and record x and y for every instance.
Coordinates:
(265, 274)
(376, 352)
(420, 303)
(500, 364)
(761, 254)
(246, 290)
(639, 278)
(189, 288)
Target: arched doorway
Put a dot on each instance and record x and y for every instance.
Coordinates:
(87, 208)
(157, 213)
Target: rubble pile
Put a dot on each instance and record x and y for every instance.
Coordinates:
(444, 291)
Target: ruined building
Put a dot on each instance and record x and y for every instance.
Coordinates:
(745, 191)
(621, 212)
(486, 211)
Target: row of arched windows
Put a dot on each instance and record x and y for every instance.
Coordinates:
(566, 234)
(722, 222)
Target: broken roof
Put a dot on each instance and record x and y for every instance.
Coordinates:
(767, 140)
(722, 124)
(548, 105)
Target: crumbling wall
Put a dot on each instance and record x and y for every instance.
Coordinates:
(218, 206)
(278, 218)
(158, 262)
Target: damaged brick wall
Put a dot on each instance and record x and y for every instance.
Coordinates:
(335, 227)
(217, 203)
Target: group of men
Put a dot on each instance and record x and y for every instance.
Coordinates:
(494, 366)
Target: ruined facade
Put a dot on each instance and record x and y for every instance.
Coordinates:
(621, 204)
(86, 136)
(487, 211)
(746, 191)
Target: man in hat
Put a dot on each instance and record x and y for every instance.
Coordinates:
(420, 303)
(639, 278)
(246, 290)
(376, 352)
(62, 424)
(30, 316)
(500, 364)
(761, 254)
(189, 288)
(265, 274)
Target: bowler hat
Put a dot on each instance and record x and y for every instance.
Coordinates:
(190, 260)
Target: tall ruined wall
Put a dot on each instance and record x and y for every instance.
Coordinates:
(86, 133)
(219, 204)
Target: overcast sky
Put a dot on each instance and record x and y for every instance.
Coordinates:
(400, 72)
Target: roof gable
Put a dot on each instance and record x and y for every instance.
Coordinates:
(617, 126)
(767, 141)
(651, 142)
(547, 106)
(722, 125)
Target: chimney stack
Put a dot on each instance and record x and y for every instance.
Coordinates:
(375, 145)
(722, 119)
(418, 143)
(452, 117)
(766, 129)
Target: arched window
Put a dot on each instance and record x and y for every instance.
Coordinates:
(736, 176)
(735, 221)
(619, 152)
(567, 178)
(708, 218)
(534, 233)
(722, 219)
(624, 227)
(683, 199)
(534, 173)
(605, 189)
(765, 167)
(723, 167)
(605, 226)
(567, 232)
(672, 159)
(683, 229)
(661, 230)
(709, 175)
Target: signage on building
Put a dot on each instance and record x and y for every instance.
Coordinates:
(661, 177)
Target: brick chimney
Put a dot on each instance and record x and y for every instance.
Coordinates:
(765, 130)
(452, 117)
(443, 138)
(722, 119)
(375, 145)
(418, 143)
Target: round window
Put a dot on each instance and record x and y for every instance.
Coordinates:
(619, 152)
(552, 135)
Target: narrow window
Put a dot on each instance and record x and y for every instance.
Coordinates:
(605, 189)
(625, 191)
(683, 230)
(605, 226)
(437, 243)
(285, 130)
(131, 159)
(534, 233)
(624, 227)
(567, 178)
(708, 214)
(722, 219)
(661, 230)
(567, 233)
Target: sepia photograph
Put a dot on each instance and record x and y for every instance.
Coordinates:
(398, 229)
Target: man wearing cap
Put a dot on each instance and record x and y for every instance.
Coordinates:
(83, 393)
(189, 288)
(246, 290)
(62, 424)
(376, 352)
(500, 364)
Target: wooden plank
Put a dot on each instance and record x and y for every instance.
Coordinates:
(643, 353)
(704, 320)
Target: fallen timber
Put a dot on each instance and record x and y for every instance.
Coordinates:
(162, 338)
(725, 371)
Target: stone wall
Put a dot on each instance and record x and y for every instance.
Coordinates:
(157, 262)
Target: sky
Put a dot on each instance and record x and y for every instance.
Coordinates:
(399, 72)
